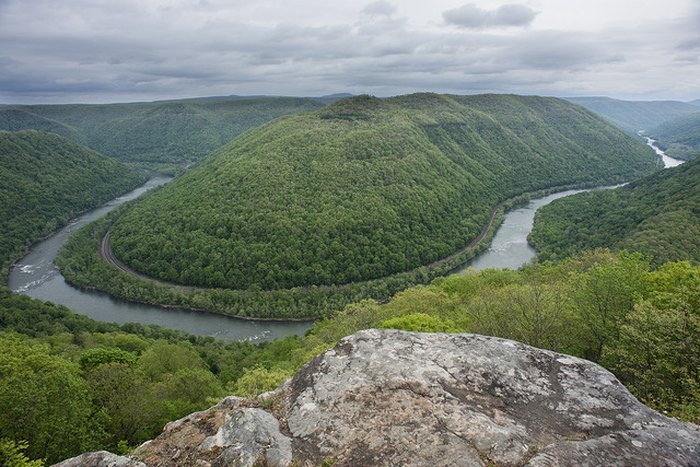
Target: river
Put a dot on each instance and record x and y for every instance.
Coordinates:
(509, 248)
(667, 160)
(36, 276)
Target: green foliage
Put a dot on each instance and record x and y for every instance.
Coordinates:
(642, 324)
(128, 404)
(44, 401)
(258, 380)
(160, 135)
(658, 216)
(81, 264)
(35, 318)
(163, 358)
(17, 119)
(92, 358)
(12, 454)
(46, 181)
(361, 190)
(657, 353)
(680, 137)
(420, 322)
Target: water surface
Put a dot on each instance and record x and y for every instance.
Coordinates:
(36, 276)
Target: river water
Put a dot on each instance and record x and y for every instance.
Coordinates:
(667, 160)
(509, 248)
(36, 276)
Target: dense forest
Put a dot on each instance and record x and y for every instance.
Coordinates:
(680, 137)
(12, 119)
(657, 216)
(46, 181)
(364, 188)
(69, 384)
(635, 115)
(161, 135)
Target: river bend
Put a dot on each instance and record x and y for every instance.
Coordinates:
(36, 276)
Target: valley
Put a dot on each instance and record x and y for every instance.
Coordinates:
(305, 234)
(159, 363)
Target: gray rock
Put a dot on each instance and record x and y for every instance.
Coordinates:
(396, 398)
(100, 459)
(383, 397)
(249, 436)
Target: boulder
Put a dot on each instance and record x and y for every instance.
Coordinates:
(100, 459)
(385, 397)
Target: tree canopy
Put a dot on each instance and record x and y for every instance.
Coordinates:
(364, 188)
(658, 216)
(46, 181)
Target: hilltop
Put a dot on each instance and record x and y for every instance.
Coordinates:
(46, 181)
(364, 188)
(657, 216)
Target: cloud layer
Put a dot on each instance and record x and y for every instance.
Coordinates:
(472, 17)
(105, 51)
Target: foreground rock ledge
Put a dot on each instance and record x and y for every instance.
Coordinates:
(384, 397)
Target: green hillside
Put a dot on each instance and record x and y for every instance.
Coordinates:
(12, 119)
(635, 115)
(680, 137)
(46, 181)
(156, 134)
(658, 216)
(364, 188)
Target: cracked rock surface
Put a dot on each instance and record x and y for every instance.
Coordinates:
(384, 397)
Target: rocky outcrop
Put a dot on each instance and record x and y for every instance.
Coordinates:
(397, 398)
(100, 459)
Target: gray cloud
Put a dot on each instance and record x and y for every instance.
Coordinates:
(94, 51)
(380, 8)
(472, 17)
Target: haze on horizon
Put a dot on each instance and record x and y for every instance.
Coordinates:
(103, 51)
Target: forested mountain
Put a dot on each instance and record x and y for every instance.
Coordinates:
(635, 115)
(156, 134)
(46, 180)
(364, 188)
(680, 137)
(658, 216)
(12, 119)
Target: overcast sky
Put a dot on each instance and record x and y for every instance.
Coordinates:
(58, 51)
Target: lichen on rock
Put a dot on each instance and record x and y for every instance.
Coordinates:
(385, 397)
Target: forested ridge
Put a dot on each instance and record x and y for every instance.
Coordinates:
(680, 137)
(658, 216)
(46, 180)
(163, 135)
(635, 115)
(364, 188)
(69, 384)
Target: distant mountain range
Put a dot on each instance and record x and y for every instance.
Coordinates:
(636, 115)
(162, 134)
